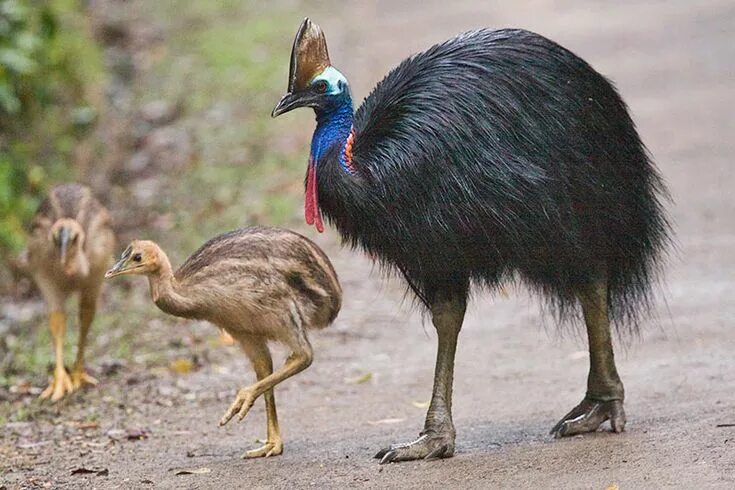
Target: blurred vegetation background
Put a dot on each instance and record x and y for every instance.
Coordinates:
(163, 108)
(208, 72)
(49, 71)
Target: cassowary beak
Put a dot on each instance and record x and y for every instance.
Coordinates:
(287, 103)
(292, 101)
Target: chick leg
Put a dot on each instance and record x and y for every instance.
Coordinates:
(605, 393)
(87, 310)
(296, 362)
(260, 357)
(437, 438)
(61, 384)
(300, 358)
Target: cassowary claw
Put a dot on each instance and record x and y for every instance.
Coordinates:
(427, 447)
(588, 416)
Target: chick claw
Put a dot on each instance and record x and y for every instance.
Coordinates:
(270, 448)
(60, 386)
(241, 406)
(79, 378)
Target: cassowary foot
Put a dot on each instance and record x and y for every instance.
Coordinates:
(61, 385)
(240, 407)
(79, 378)
(588, 416)
(428, 446)
(270, 448)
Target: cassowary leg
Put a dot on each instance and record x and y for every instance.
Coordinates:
(605, 394)
(260, 356)
(61, 384)
(87, 309)
(437, 439)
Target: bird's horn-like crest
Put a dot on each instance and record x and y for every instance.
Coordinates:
(309, 56)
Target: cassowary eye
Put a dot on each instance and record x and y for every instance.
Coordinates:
(137, 258)
(320, 86)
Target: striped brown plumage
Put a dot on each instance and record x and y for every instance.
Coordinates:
(259, 285)
(269, 265)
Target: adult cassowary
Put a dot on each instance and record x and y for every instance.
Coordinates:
(494, 156)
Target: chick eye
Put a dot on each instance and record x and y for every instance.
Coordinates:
(321, 86)
(137, 258)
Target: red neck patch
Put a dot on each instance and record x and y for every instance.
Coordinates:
(346, 157)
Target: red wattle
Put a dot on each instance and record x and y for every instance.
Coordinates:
(311, 204)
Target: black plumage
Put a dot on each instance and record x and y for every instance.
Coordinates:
(500, 152)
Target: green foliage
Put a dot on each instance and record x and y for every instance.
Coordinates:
(16, 200)
(47, 64)
(228, 62)
(24, 33)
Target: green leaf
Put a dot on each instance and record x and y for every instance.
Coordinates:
(8, 101)
(27, 41)
(17, 61)
(49, 24)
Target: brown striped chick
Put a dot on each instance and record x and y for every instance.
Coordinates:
(70, 247)
(257, 284)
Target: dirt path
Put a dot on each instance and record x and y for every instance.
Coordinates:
(674, 63)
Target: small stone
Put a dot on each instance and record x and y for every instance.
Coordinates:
(159, 112)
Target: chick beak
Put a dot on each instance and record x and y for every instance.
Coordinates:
(117, 269)
(63, 244)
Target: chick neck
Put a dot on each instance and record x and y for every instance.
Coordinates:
(76, 265)
(165, 290)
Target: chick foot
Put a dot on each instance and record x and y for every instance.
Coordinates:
(588, 416)
(270, 448)
(61, 385)
(428, 446)
(79, 378)
(240, 407)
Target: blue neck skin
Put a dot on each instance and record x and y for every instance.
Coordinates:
(333, 126)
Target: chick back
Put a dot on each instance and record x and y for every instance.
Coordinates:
(264, 271)
(70, 200)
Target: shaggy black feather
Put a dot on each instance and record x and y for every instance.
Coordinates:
(500, 155)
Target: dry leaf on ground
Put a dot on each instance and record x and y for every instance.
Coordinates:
(193, 471)
(385, 421)
(357, 380)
